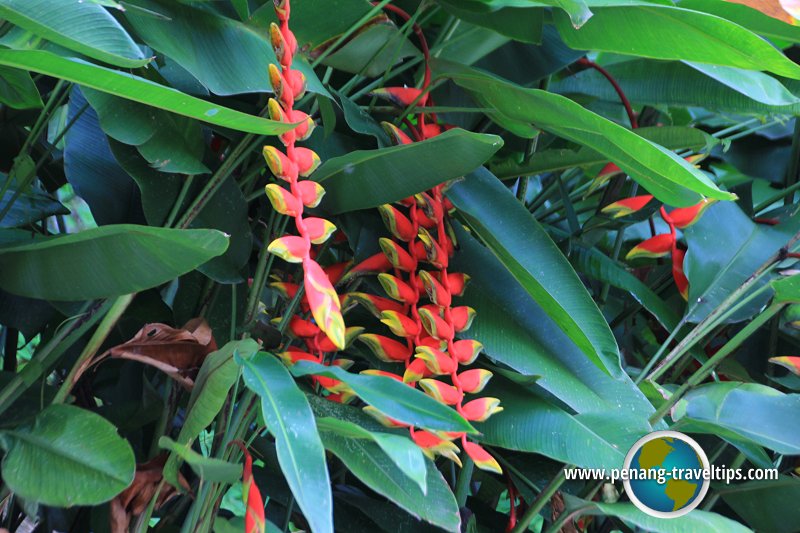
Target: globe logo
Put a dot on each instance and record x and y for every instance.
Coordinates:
(668, 474)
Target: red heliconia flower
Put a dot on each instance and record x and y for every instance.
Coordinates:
(681, 281)
(433, 445)
(481, 409)
(473, 381)
(481, 457)
(627, 206)
(683, 217)
(386, 349)
(788, 362)
(657, 246)
(401, 96)
(374, 304)
(447, 394)
(254, 519)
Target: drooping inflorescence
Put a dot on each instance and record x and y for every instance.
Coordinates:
(291, 165)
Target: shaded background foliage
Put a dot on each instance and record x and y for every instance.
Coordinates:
(130, 161)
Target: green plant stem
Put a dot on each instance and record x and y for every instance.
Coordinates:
(260, 277)
(794, 164)
(541, 500)
(703, 372)
(463, 481)
(103, 329)
(56, 97)
(777, 196)
(49, 354)
(706, 326)
(176, 207)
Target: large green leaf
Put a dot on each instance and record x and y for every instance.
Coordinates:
(670, 137)
(225, 55)
(667, 32)
(696, 520)
(531, 424)
(138, 89)
(528, 253)
(725, 248)
(402, 451)
(676, 84)
(358, 180)
(391, 397)
(84, 27)
(216, 377)
(665, 175)
(17, 89)
(69, 456)
(300, 453)
(370, 463)
(519, 333)
(746, 16)
(91, 169)
(766, 505)
(105, 262)
(755, 412)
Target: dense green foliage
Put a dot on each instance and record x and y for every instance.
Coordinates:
(140, 308)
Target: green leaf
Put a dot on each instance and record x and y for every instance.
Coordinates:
(402, 451)
(527, 251)
(84, 27)
(227, 213)
(518, 333)
(290, 420)
(725, 248)
(208, 468)
(17, 89)
(750, 18)
(755, 85)
(31, 206)
(667, 32)
(755, 412)
(766, 505)
(376, 469)
(360, 121)
(225, 55)
(105, 262)
(531, 424)
(669, 137)
(215, 379)
(68, 457)
(522, 24)
(676, 84)
(358, 180)
(665, 175)
(697, 520)
(372, 51)
(391, 397)
(577, 10)
(599, 266)
(138, 89)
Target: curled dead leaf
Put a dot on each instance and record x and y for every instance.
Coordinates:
(134, 500)
(177, 352)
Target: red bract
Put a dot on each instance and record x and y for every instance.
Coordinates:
(254, 519)
(627, 206)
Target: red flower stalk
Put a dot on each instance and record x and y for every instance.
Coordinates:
(296, 162)
(254, 520)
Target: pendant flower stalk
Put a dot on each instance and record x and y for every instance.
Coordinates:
(289, 166)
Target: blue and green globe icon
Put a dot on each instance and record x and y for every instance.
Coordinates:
(668, 474)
